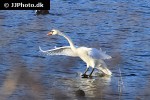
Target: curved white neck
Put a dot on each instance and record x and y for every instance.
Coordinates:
(69, 40)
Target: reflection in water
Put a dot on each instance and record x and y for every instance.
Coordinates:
(93, 87)
(96, 87)
(120, 27)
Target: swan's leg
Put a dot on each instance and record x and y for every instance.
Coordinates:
(85, 71)
(91, 72)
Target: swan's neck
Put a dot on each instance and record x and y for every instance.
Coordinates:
(69, 40)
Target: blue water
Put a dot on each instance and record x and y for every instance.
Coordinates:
(121, 28)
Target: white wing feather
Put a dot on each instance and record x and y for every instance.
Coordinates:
(98, 54)
(66, 50)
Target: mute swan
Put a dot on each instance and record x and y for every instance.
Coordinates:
(91, 56)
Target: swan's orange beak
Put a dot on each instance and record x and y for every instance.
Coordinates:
(49, 33)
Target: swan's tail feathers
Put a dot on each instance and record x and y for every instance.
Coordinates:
(105, 71)
(103, 68)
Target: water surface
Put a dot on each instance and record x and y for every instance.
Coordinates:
(121, 28)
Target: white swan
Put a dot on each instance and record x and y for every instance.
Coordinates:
(91, 56)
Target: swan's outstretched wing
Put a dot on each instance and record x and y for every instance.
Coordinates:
(98, 54)
(66, 50)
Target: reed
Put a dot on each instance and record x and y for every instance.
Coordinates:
(120, 85)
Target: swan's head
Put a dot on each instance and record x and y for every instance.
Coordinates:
(54, 32)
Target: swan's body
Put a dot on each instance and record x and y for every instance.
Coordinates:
(91, 56)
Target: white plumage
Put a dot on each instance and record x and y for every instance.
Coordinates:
(91, 56)
(66, 50)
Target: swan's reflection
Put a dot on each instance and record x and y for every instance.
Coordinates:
(94, 87)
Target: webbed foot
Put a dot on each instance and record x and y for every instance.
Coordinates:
(85, 76)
